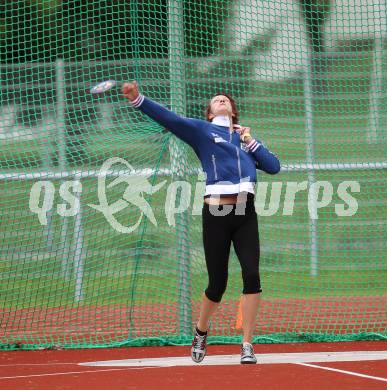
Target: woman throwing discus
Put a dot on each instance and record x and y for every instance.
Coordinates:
(229, 156)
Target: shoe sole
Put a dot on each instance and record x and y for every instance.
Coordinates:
(248, 362)
(197, 361)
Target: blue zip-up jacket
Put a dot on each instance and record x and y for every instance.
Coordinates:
(229, 164)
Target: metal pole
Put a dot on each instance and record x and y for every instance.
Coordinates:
(376, 90)
(310, 155)
(61, 141)
(178, 156)
(60, 112)
(79, 251)
(47, 137)
(65, 269)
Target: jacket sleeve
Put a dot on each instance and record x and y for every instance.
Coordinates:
(264, 159)
(186, 129)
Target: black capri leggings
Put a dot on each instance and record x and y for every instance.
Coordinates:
(221, 226)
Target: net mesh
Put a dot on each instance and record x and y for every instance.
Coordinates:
(83, 265)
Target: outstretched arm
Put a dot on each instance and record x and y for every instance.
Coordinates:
(184, 128)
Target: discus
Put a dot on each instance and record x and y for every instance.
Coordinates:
(103, 86)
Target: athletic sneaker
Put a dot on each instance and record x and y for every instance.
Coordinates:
(247, 354)
(198, 350)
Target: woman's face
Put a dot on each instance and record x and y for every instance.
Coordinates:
(220, 105)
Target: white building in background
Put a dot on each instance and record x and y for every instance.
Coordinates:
(280, 23)
(362, 20)
(355, 19)
(13, 128)
(9, 127)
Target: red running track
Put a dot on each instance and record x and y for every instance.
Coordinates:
(60, 370)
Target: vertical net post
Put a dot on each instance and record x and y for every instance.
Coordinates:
(376, 90)
(60, 112)
(61, 144)
(47, 163)
(309, 135)
(79, 251)
(178, 156)
(65, 265)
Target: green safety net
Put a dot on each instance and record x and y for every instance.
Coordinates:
(100, 232)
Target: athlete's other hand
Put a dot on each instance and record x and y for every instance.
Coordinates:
(244, 132)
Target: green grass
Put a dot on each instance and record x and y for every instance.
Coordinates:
(351, 252)
(53, 291)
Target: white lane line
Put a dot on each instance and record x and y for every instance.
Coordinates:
(74, 372)
(270, 358)
(37, 364)
(343, 371)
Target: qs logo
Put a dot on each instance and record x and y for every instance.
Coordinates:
(137, 186)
